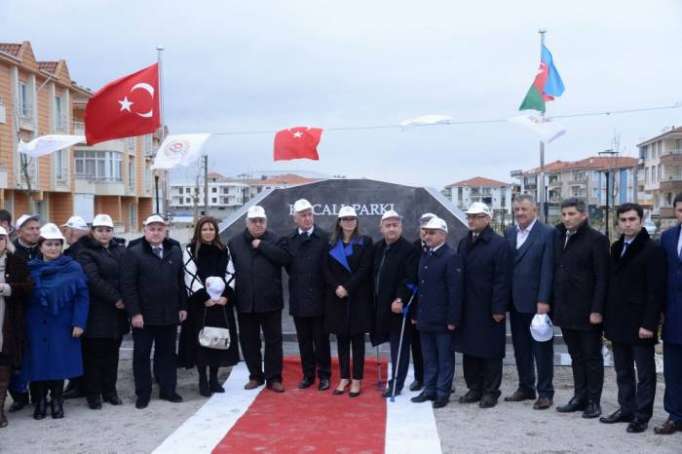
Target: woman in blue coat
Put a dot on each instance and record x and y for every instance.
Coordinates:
(56, 315)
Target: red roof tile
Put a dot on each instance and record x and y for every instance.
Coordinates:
(478, 182)
(593, 163)
(48, 66)
(10, 48)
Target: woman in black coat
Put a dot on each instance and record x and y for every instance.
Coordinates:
(348, 304)
(15, 286)
(207, 256)
(102, 260)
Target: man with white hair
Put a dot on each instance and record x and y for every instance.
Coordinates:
(258, 262)
(394, 273)
(439, 312)
(75, 229)
(481, 338)
(308, 245)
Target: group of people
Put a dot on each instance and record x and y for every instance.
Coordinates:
(63, 312)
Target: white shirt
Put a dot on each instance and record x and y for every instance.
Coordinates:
(522, 234)
(626, 245)
(436, 248)
(309, 232)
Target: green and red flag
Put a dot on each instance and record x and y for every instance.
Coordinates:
(546, 86)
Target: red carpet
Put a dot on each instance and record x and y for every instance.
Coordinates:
(310, 421)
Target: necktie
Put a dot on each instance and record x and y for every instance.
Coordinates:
(625, 248)
(568, 236)
(158, 252)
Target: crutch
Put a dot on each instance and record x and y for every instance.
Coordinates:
(406, 309)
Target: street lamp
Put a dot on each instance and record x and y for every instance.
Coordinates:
(611, 153)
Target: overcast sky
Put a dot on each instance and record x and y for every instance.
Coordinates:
(268, 65)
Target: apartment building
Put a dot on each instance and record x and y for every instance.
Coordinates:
(660, 173)
(39, 98)
(496, 194)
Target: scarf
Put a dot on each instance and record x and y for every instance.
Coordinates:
(56, 282)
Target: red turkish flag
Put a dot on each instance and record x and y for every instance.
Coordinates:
(126, 107)
(299, 142)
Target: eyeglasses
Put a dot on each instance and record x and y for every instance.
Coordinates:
(348, 219)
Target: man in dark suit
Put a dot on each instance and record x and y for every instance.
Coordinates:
(308, 245)
(481, 338)
(439, 312)
(632, 315)
(671, 241)
(533, 246)
(395, 268)
(581, 276)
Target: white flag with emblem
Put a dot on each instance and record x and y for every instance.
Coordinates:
(179, 150)
(543, 127)
(45, 145)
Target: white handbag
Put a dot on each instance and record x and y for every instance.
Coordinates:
(214, 338)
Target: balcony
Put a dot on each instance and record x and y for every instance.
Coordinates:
(673, 184)
(672, 157)
(99, 186)
(78, 128)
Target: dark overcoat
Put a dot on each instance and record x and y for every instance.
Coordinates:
(672, 325)
(636, 290)
(581, 277)
(13, 328)
(351, 315)
(487, 289)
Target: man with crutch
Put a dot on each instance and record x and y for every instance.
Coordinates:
(395, 266)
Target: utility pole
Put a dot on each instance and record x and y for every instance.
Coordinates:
(162, 136)
(541, 177)
(610, 153)
(205, 185)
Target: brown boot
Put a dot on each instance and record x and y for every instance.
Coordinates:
(4, 383)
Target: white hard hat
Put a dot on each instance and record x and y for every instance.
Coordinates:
(3, 231)
(479, 208)
(24, 218)
(103, 220)
(541, 328)
(390, 214)
(256, 212)
(426, 217)
(50, 231)
(347, 212)
(436, 223)
(76, 222)
(155, 219)
(214, 287)
(302, 205)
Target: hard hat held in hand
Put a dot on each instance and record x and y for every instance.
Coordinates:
(215, 287)
(541, 328)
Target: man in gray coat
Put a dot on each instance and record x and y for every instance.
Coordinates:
(533, 246)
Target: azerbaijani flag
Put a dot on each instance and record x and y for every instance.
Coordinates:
(546, 86)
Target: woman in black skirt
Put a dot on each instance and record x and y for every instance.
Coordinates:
(205, 256)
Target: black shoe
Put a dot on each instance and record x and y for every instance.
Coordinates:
(215, 387)
(616, 416)
(307, 382)
(204, 390)
(487, 401)
(389, 392)
(112, 399)
(421, 398)
(20, 402)
(73, 391)
(57, 407)
(172, 397)
(416, 385)
(324, 384)
(572, 406)
(40, 409)
(141, 402)
(440, 403)
(520, 395)
(593, 410)
(95, 403)
(470, 397)
(637, 426)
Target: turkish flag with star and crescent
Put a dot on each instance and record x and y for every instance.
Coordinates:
(299, 142)
(126, 107)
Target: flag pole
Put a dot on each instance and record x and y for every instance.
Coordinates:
(541, 179)
(159, 50)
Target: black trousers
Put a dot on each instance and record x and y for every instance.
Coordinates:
(165, 364)
(344, 344)
(483, 375)
(100, 363)
(39, 389)
(250, 326)
(587, 363)
(313, 344)
(636, 397)
(416, 346)
(529, 354)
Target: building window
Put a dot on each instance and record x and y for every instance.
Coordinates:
(188, 200)
(131, 174)
(61, 169)
(24, 101)
(98, 165)
(59, 114)
(214, 190)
